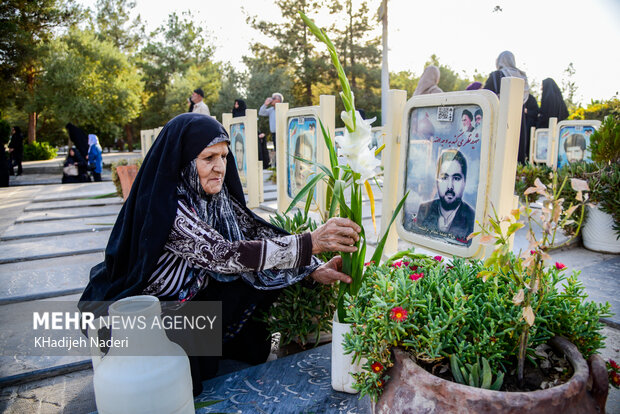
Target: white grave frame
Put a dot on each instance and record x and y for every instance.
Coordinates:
(488, 103)
(253, 185)
(325, 113)
(558, 142)
(537, 139)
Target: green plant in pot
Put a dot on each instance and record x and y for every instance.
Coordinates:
(602, 227)
(482, 323)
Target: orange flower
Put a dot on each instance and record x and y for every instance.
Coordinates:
(398, 314)
(380, 383)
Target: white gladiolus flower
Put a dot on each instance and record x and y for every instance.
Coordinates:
(354, 147)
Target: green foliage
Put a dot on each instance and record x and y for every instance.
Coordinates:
(451, 311)
(305, 309)
(39, 151)
(101, 88)
(597, 110)
(113, 23)
(115, 179)
(527, 175)
(605, 141)
(475, 375)
(606, 193)
(5, 131)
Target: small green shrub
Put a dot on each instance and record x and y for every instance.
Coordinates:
(39, 151)
(305, 309)
(605, 141)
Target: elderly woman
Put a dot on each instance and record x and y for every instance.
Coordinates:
(184, 233)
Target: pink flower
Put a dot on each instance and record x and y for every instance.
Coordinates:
(438, 258)
(559, 265)
(416, 276)
(413, 267)
(369, 263)
(532, 251)
(405, 263)
(398, 314)
(397, 264)
(613, 364)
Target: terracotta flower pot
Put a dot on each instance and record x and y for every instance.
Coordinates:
(411, 389)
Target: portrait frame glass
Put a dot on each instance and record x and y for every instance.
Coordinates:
(541, 145)
(444, 205)
(578, 133)
(301, 142)
(238, 145)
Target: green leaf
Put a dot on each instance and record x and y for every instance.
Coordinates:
(304, 191)
(513, 228)
(486, 374)
(203, 404)
(498, 382)
(454, 367)
(376, 257)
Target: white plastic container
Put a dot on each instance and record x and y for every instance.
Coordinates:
(126, 383)
(342, 365)
(598, 233)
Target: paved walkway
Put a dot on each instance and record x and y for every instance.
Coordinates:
(52, 234)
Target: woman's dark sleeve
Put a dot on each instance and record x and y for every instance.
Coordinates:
(203, 247)
(494, 82)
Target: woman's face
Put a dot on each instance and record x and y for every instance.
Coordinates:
(211, 166)
(71, 152)
(236, 105)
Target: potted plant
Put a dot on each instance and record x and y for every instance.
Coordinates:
(601, 230)
(345, 185)
(434, 332)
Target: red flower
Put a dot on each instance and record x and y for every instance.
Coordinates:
(559, 265)
(398, 314)
(449, 267)
(380, 383)
(438, 258)
(397, 264)
(413, 267)
(369, 263)
(377, 367)
(615, 378)
(416, 276)
(613, 364)
(405, 263)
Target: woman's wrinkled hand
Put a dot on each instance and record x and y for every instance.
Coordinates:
(336, 235)
(330, 272)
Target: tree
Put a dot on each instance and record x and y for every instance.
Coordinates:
(360, 54)
(113, 23)
(569, 88)
(26, 26)
(404, 80)
(294, 50)
(232, 83)
(100, 87)
(172, 50)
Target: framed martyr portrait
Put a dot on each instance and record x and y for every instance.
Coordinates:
(541, 145)
(301, 146)
(445, 167)
(238, 146)
(573, 143)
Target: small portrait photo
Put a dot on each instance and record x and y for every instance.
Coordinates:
(237, 146)
(542, 143)
(573, 144)
(301, 145)
(443, 173)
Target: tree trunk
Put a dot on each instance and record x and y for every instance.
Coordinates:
(32, 117)
(129, 135)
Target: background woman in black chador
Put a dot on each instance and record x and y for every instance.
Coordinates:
(239, 108)
(16, 150)
(75, 169)
(551, 104)
(184, 233)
